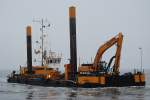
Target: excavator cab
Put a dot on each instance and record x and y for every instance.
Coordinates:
(102, 66)
(106, 67)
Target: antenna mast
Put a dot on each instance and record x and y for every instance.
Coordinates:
(43, 26)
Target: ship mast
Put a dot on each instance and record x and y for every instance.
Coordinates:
(43, 26)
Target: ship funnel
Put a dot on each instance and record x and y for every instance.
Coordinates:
(29, 49)
(73, 49)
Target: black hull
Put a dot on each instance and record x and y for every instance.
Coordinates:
(47, 83)
(110, 82)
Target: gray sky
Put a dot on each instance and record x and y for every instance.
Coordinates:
(97, 21)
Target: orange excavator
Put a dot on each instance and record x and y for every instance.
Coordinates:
(99, 65)
(115, 40)
(102, 74)
(96, 72)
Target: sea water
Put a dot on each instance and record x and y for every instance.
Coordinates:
(15, 91)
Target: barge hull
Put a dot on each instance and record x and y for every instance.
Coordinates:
(110, 82)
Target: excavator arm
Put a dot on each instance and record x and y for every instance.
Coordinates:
(115, 40)
(118, 54)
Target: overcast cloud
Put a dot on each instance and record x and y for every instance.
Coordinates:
(97, 21)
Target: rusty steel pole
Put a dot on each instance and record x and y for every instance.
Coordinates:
(73, 48)
(29, 49)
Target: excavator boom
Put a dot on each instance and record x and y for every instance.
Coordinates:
(115, 40)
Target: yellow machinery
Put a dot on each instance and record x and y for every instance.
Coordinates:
(96, 72)
(115, 40)
(100, 74)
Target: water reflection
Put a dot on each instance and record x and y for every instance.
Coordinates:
(113, 93)
(93, 93)
(45, 93)
(30, 95)
(71, 94)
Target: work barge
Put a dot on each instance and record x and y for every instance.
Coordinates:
(97, 74)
